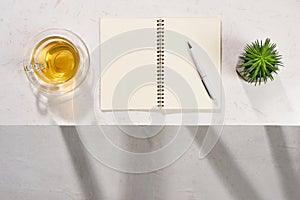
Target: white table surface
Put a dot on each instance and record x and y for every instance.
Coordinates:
(276, 102)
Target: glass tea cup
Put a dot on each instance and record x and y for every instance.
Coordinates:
(56, 61)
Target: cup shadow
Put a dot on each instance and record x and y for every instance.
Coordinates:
(80, 159)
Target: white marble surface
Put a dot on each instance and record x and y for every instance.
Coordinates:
(48, 162)
(243, 21)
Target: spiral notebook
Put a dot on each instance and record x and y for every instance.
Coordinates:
(145, 63)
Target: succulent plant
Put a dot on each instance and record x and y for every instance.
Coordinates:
(259, 61)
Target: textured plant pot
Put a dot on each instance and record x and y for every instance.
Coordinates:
(240, 70)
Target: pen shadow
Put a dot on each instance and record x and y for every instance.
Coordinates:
(289, 178)
(227, 169)
(80, 160)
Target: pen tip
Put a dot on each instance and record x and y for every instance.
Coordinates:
(190, 46)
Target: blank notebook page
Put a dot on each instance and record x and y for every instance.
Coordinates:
(128, 77)
(183, 86)
(129, 63)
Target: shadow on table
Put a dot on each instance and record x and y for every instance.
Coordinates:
(142, 139)
(58, 107)
(130, 185)
(271, 100)
(74, 105)
(289, 178)
(81, 163)
(227, 169)
(267, 100)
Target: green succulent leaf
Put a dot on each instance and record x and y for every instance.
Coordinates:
(259, 60)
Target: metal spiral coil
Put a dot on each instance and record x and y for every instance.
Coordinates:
(160, 62)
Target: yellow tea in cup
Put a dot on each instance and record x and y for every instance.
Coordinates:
(56, 61)
(58, 57)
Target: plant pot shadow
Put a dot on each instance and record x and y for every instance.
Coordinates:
(267, 99)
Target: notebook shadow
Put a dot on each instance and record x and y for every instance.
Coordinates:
(144, 185)
(283, 162)
(227, 169)
(79, 157)
(139, 184)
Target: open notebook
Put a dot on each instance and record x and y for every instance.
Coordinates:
(145, 63)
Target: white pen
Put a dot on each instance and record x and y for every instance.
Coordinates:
(202, 73)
